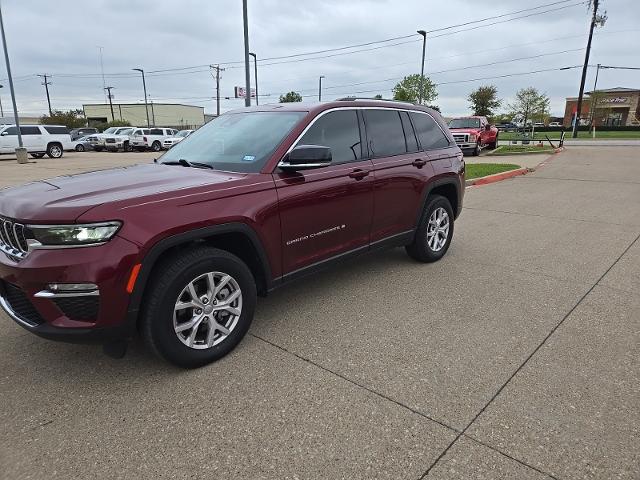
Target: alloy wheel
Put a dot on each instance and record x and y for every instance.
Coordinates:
(207, 310)
(438, 229)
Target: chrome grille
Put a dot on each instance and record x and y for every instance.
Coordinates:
(461, 137)
(12, 239)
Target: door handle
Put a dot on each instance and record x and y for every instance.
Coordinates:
(419, 162)
(359, 174)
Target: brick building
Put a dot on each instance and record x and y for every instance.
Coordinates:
(614, 107)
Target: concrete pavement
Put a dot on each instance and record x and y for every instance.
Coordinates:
(516, 356)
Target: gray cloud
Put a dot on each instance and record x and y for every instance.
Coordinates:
(61, 38)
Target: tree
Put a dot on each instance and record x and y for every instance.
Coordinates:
(378, 97)
(484, 100)
(70, 118)
(291, 97)
(529, 104)
(408, 89)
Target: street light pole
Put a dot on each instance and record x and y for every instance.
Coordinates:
(320, 88)
(144, 86)
(255, 75)
(46, 84)
(594, 97)
(247, 74)
(108, 89)
(1, 110)
(13, 93)
(424, 48)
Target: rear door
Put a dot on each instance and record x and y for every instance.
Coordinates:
(401, 170)
(327, 211)
(434, 143)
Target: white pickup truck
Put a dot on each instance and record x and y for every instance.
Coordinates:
(113, 138)
(39, 140)
(151, 138)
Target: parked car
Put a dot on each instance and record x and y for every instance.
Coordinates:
(507, 127)
(39, 140)
(171, 141)
(555, 124)
(82, 144)
(113, 138)
(473, 134)
(151, 140)
(77, 133)
(539, 125)
(178, 249)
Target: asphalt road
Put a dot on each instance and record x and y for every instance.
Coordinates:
(515, 357)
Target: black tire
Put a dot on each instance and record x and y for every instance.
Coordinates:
(54, 150)
(420, 249)
(126, 147)
(493, 145)
(476, 150)
(169, 280)
(80, 148)
(156, 146)
(37, 155)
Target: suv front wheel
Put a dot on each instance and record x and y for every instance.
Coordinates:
(434, 232)
(199, 307)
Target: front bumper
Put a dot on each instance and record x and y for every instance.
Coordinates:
(75, 318)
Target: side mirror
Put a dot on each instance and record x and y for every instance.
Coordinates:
(5, 133)
(305, 157)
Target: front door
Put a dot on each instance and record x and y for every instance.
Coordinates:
(325, 212)
(9, 140)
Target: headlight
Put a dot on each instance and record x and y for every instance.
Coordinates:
(68, 235)
(472, 137)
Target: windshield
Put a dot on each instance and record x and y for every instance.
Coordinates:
(110, 130)
(125, 131)
(183, 133)
(236, 142)
(464, 123)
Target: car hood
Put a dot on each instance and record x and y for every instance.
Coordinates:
(64, 199)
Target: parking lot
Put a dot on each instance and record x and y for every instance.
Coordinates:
(514, 357)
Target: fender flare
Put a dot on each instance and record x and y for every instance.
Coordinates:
(449, 180)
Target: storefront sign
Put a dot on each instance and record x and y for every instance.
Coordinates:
(615, 100)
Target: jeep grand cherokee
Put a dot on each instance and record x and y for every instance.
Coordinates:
(177, 250)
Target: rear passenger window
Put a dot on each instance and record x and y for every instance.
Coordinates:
(30, 131)
(429, 133)
(409, 134)
(11, 131)
(340, 132)
(384, 129)
(59, 130)
(155, 131)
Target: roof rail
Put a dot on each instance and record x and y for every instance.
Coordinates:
(351, 99)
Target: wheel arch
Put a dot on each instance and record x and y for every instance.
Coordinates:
(449, 188)
(236, 238)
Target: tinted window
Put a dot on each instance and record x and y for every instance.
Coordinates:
(384, 129)
(339, 131)
(30, 131)
(155, 131)
(59, 130)
(11, 131)
(429, 133)
(464, 123)
(237, 142)
(138, 132)
(409, 134)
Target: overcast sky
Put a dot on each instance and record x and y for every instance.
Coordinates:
(61, 38)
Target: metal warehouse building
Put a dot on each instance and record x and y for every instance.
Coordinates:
(173, 115)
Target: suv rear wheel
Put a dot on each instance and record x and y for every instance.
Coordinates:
(54, 150)
(199, 307)
(156, 146)
(434, 232)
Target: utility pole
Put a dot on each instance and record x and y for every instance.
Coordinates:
(1, 110)
(424, 48)
(320, 88)
(153, 114)
(218, 70)
(144, 86)
(46, 84)
(595, 20)
(104, 85)
(247, 74)
(255, 76)
(594, 97)
(108, 89)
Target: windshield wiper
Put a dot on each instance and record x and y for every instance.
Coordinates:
(187, 163)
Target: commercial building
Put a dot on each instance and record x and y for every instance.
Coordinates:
(172, 115)
(613, 107)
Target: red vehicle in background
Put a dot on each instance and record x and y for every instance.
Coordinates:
(472, 134)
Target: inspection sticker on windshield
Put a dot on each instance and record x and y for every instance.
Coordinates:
(248, 158)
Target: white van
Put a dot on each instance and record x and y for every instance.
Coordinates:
(37, 139)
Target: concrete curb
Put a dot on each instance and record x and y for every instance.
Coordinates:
(497, 177)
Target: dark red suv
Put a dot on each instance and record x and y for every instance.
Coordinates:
(177, 250)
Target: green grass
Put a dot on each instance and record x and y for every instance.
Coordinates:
(519, 149)
(618, 135)
(476, 170)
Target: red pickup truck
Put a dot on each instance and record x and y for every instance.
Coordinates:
(472, 134)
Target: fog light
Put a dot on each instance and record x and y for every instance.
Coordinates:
(72, 287)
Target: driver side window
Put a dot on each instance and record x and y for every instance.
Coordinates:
(340, 132)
